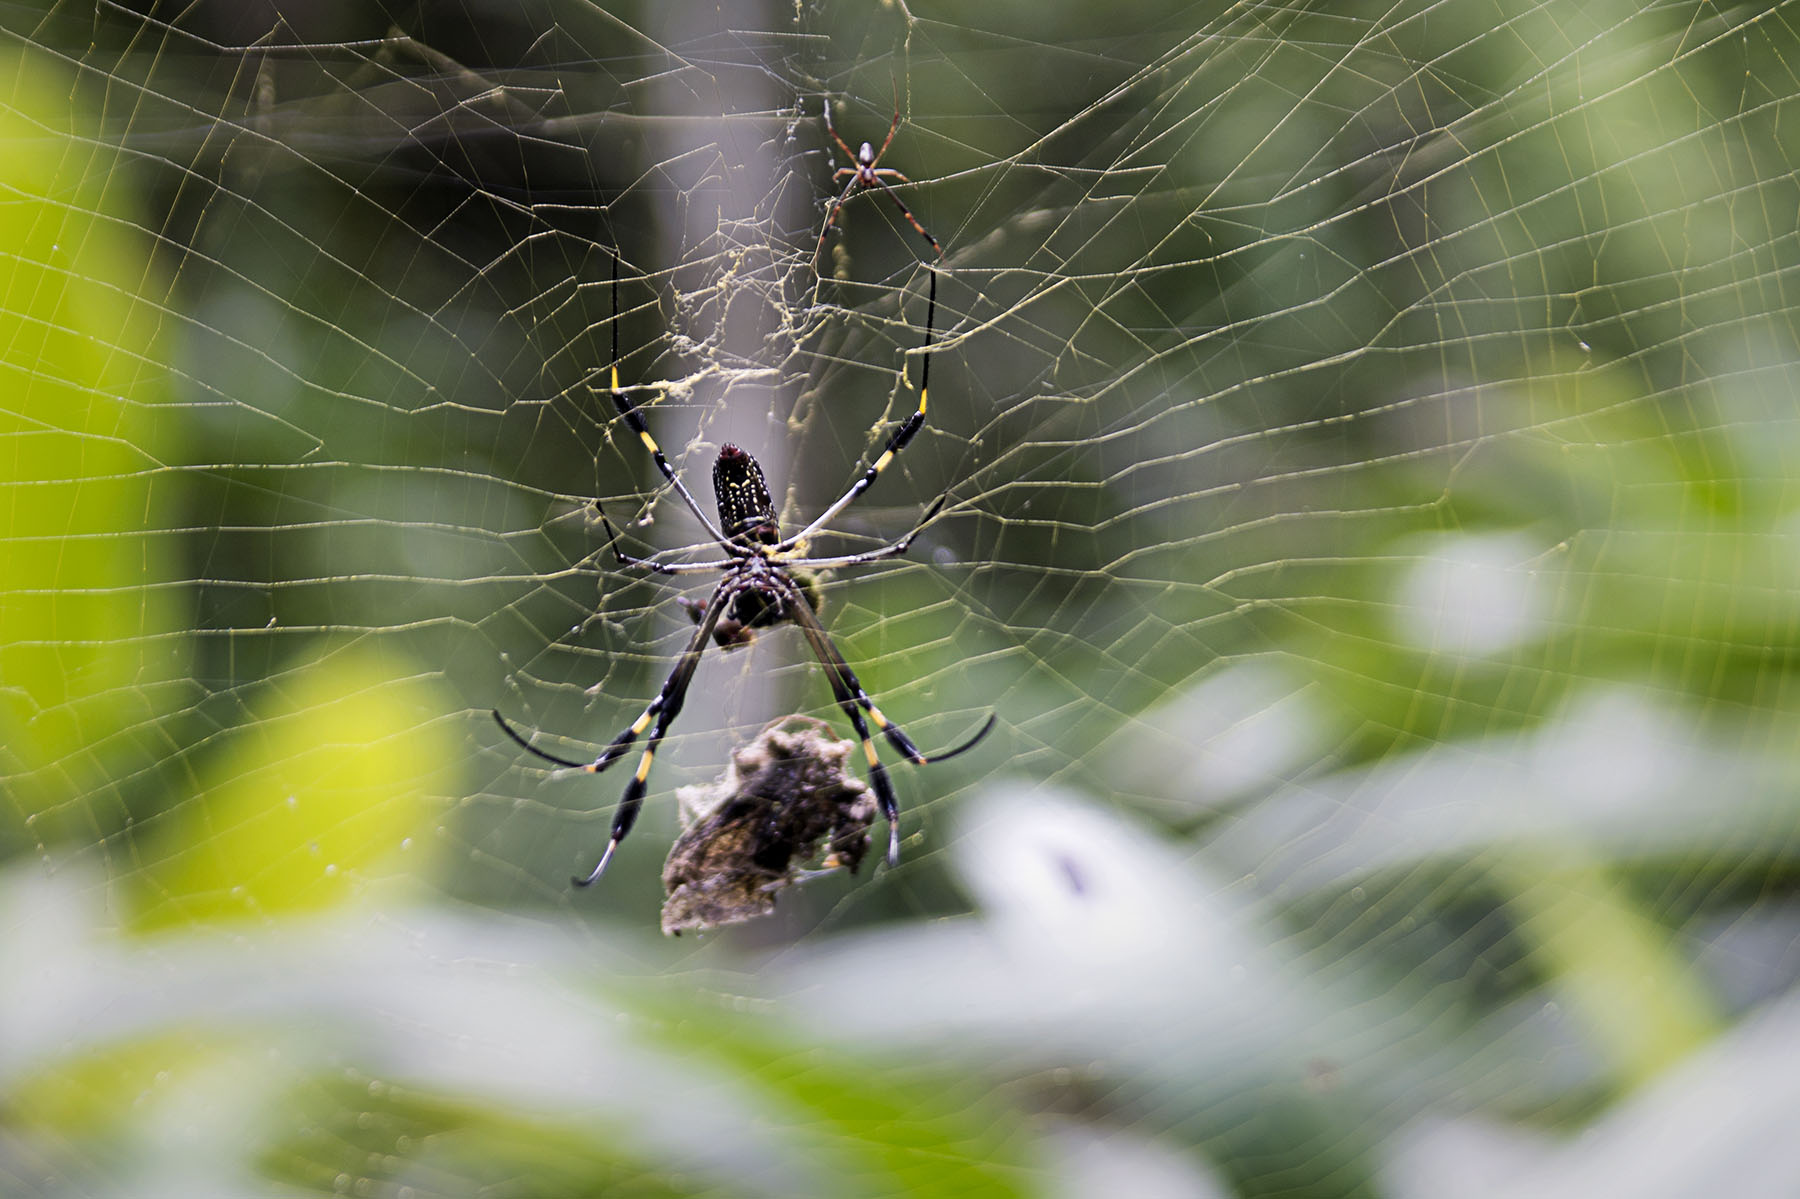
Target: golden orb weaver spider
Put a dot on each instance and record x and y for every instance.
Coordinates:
(868, 174)
(758, 590)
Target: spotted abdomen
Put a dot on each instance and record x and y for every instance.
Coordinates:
(745, 508)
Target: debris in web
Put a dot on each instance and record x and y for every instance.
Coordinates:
(787, 799)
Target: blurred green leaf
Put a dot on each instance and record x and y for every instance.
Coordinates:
(302, 809)
(91, 640)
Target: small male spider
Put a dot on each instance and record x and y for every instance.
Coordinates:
(868, 174)
(759, 588)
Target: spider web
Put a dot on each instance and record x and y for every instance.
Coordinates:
(1368, 440)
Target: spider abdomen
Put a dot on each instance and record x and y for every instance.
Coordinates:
(746, 509)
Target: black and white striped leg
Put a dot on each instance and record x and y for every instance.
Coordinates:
(662, 711)
(855, 701)
(848, 693)
(901, 438)
(850, 690)
(634, 420)
(878, 775)
(651, 564)
(892, 550)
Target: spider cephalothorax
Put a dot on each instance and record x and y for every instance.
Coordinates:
(765, 580)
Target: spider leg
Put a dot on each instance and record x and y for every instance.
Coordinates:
(832, 216)
(891, 550)
(826, 105)
(893, 126)
(529, 748)
(628, 409)
(850, 691)
(650, 564)
(855, 701)
(896, 443)
(663, 709)
(906, 212)
(878, 775)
